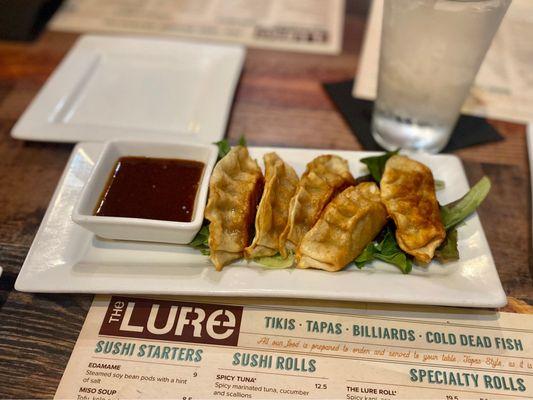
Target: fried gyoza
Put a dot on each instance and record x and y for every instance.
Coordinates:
(280, 184)
(347, 225)
(234, 190)
(408, 192)
(324, 177)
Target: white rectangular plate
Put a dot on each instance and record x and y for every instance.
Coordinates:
(64, 257)
(111, 87)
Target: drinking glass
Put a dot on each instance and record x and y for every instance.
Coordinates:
(431, 51)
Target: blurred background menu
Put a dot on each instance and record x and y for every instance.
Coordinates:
(298, 25)
(504, 85)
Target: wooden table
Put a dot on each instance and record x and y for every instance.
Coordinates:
(279, 102)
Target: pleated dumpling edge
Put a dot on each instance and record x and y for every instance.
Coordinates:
(235, 188)
(272, 213)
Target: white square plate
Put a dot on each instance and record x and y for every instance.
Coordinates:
(123, 87)
(64, 257)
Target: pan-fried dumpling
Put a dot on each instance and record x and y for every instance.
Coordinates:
(234, 190)
(408, 192)
(347, 225)
(324, 177)
(280, 184)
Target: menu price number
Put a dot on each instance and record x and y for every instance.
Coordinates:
(321, 386)
(186, 398)
(451, 397)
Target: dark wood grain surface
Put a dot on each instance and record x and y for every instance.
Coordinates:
(279, 102)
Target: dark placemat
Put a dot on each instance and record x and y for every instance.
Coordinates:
(469, 130)
(24, 19)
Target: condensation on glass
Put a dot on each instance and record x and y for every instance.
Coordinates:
(431, 51)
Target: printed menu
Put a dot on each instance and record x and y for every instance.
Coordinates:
(301, 25)
(132, 347)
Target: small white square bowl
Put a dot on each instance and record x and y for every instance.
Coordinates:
(140, 229)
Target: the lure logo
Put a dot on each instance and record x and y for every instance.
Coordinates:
(173, 321)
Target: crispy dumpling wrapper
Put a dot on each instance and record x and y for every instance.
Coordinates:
(408, 192)
(234, 190)
(280, 184)
(324, 177)
(347, 225)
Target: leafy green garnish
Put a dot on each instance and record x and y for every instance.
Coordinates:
(448, 251)
(201, 240)
(223, 148)
(367, 256)
(376, 164)
(386, 250)
(276, 261)
(439, 185)
(454, 213)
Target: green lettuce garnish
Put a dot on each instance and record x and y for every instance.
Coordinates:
(276, 261)
(386, 250)
(448, 251)
(456, 212)
(223, 148)
(376, 164)
(201, 240)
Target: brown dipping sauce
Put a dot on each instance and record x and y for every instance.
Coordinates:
(151, 188)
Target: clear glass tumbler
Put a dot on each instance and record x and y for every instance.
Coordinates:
(431, 51)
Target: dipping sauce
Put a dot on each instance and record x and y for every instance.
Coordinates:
(151, 188)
